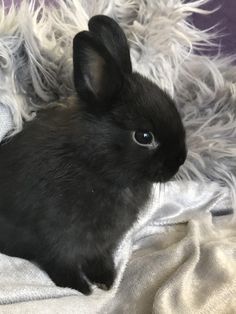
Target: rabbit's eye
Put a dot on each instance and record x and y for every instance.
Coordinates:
(145, 138)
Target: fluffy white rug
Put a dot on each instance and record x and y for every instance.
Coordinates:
(183, 268)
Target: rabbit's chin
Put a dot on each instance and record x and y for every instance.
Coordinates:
(161, 177)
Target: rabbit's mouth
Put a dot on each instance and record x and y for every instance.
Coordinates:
(167, 171)
(164, 176)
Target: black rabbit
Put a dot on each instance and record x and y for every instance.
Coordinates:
(73, 181)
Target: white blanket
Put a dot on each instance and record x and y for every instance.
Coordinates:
(180, 257)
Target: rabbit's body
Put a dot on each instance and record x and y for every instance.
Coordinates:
(62, 210)
(74, 180)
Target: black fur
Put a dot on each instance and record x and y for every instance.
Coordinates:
(73, 181)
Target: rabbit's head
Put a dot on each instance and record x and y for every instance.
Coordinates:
(131, 128)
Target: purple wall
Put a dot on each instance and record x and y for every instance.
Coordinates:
(226, 18)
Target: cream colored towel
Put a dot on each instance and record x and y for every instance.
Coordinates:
(189, 269)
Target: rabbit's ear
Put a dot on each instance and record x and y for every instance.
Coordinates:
(113, 38)
(97, 77)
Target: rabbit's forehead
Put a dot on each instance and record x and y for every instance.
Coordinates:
(154, 114)
(144, 117)
(143, 105)
(147, 100)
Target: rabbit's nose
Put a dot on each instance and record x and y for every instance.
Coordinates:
(181, 160)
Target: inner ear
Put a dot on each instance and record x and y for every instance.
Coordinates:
(97, 77)
(94, 76)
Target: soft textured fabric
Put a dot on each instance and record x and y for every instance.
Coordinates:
(180, 257)
(188, 267)
(6, 123)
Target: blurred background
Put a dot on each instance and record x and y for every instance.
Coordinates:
(224, 17)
